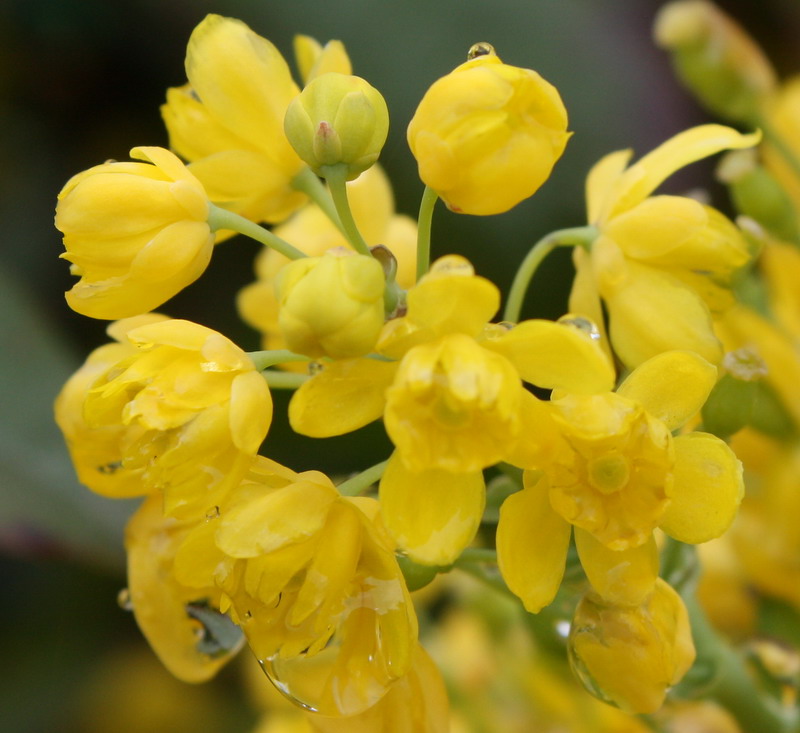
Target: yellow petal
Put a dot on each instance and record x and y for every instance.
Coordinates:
(279, 517)
(556, 355)
(345, 396)
(641, 179)
(532, 543)
(584, 298)
(601, 180)
(671, 386)
(244, 82)
(624, 577)
(250, 411)
(707, 490)
(433, 515)
(651, 312)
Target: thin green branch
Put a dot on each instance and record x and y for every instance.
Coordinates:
(360, 483)
(277, 379)
(336, 176)
(426, 206)
(219, 218)
(576, 236)
(264, 359)
(309, 183)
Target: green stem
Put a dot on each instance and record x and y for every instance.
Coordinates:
(356, 485)
(264, 359)
(733, 686)
(284, 380)
(426, 206)
(477, 555)
(336, 176)
(562, 238)
(309, 183)
(219, 218)
(775, 139)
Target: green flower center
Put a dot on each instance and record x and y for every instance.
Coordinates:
(609, 473)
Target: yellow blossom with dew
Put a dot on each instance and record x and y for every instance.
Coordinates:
(135, 233)
(631, 655)
(173, 406)
(661, 264)
(312, 580)
(169, 613)
(331, 305)
(443, 376)
(372, 203)
(487, 135)
(228, 120)
(615, 473)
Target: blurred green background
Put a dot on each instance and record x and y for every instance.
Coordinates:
(81, 81)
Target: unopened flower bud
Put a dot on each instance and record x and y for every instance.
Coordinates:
(487, 135)
(331, 305)
(338, 119)
(715, 58)
(631, 655)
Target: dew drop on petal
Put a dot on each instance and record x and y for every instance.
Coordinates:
(315, 367)
(212, 513)
(480, 49)
(124, 600)
(581, 324)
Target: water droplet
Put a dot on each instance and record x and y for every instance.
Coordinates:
(212, 513)
(315, 367)
(110, 468)
(507, 325)
(124, 600)
(581, 671)
(217, 635)
(581, 324)
(480, 49)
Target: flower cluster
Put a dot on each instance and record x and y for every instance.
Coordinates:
(563, 460)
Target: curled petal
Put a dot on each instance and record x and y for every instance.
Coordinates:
(624, 577)
(707, 490)
(671, 386)
(532, 543)
(433, 515)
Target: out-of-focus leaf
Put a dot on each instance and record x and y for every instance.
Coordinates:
(43, 509)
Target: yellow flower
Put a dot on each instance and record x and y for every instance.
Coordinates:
(661, 264)
(629, 655)
(444, 376)
(169, 613)
(783, 113)
(616, 473)
(135, 233)
(312, 579)
(487, 135)
(228, 120)
(338, 119)
(173, 406)
(311, 231)
(331, 305)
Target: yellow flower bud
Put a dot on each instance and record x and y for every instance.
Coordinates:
(338, 119)
(331, 305)
(487, 135)
(715, 58)
(135, 233)
(631, 655)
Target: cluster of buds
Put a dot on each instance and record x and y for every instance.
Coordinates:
(589, 424)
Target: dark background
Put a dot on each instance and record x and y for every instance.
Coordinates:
(81, 81)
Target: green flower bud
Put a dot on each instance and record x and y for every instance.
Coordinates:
(331, 305)
(757, 194)
(715, 58)
(338, 119)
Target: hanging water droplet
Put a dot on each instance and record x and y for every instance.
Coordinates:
(507, 325)
(212, 513)
(315, 367)
(581, 324)
(124, 600)
(581, 671)
(480, 49)
(110, 468)
(217, 635)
